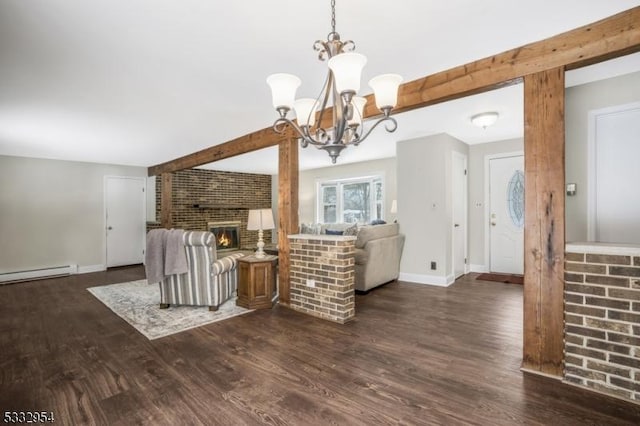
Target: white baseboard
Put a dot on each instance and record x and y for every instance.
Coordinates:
(49, 272)
(478, 268)
(33, 274)
(437, 280)
(91, 268)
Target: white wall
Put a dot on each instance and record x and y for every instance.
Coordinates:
(425, 206)
(52, 212)
(477, 203)
(579, 101)
(309, 178)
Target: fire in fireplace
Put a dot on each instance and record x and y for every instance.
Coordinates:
(227, 235)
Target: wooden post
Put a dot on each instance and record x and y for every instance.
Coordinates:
(166, 199)
(544, 238)
(287, 210)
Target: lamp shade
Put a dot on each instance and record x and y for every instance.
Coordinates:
(283, 89)
(385, 87)
(305, 111)
(358, 109)
(347, 69)
(260, 219)
(394, 206)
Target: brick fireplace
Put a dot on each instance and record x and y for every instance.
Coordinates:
(227, 235)
(203, 196)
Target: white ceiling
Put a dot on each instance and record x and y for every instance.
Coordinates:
(142, 82)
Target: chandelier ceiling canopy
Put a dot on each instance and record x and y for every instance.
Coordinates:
(339, 90)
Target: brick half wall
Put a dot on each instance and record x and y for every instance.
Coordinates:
(328, 262)
(602, 318)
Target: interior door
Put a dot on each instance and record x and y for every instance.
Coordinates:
(617, 195)
(506, 197)
(125, 204)
(459, 236)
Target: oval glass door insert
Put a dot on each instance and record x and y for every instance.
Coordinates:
(515, 198)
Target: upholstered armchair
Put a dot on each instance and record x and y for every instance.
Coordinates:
(208, 282)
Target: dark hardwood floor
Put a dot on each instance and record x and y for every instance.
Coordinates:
(414, 355)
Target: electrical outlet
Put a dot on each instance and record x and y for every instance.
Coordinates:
(433, 266)
(311, 283)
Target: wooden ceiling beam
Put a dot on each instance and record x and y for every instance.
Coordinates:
(609, 38)
(252, 142)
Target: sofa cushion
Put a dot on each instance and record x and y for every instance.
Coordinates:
(333, 232)
(352, 230)
(373, 232)
(334, 227)
(311, 228)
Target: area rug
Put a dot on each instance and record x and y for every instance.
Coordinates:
(137, 303)
(502, 278)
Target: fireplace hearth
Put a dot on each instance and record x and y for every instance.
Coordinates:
(227, 235)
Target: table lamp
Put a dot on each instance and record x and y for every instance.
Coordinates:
(259, 220)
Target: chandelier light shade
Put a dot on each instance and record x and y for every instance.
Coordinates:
(283, 89)
(347, 69)
(339, 93)
(385, 87)
(485, 119)
(306, 111)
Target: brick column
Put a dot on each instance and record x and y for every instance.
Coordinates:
(322, 276)
(602, 318)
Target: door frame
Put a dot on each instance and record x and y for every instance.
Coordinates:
(592, 161)
(487, 202)
(105, 208)
(465, 210)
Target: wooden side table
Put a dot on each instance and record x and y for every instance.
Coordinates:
(256, 281)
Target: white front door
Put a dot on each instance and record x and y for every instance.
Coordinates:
(459, 183)
(125, 203)
(506, 214)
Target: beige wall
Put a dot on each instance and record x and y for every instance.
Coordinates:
(309, 179)
(478, 257)
(579, 101)
(52, 212)
(425, 206)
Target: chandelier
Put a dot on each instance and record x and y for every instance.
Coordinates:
(340, 88)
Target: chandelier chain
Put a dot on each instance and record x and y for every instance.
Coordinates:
(333, 16)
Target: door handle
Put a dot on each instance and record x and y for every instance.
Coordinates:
(109, 228)
(493, 224)
(456, 225)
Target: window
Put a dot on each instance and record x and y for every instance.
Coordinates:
(351, 200)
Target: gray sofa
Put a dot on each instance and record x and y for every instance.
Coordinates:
(378, 253)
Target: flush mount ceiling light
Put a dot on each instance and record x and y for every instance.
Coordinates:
(340, 89)
(485, 119)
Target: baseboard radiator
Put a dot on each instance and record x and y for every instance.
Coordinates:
(37, 274)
